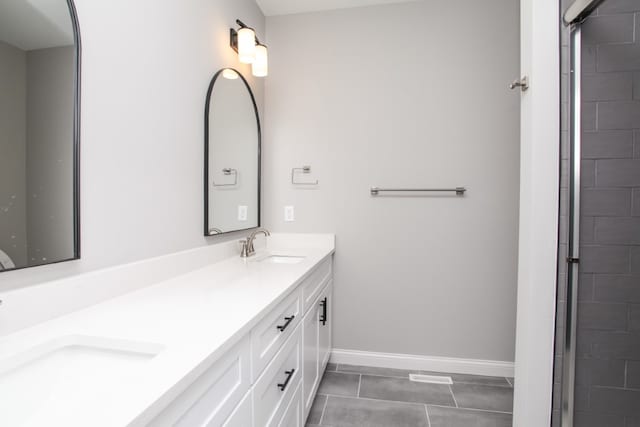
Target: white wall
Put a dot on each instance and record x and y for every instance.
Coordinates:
(13, 205)
(146, 66)
(409, 95)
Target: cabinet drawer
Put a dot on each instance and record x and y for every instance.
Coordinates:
(276, 386)
(212, 397)
(293, 414)
(242, 416)
(313, 284)
(271, 333)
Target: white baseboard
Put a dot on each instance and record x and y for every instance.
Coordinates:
(423, 363)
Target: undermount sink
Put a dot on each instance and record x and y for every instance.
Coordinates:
(55, 377)
(282, 259)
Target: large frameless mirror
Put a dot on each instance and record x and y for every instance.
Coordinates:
(232, 155)
(39, 132)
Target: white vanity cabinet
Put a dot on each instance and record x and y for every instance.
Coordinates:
(268, 379)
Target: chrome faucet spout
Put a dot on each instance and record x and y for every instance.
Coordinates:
(248, 248)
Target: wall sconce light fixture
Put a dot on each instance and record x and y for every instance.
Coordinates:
(250, 51)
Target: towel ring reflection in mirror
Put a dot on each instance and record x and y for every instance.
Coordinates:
(228, 171)
(303, 169)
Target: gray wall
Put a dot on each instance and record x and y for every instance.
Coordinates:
(13, 205)
(409, 95)
(144, 83)
(50, 80)
(608, 337)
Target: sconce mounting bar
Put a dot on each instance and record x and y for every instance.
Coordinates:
(233, 35)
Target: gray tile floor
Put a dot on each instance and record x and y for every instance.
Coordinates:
(358, 396)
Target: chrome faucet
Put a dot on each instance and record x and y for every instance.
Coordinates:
(247, 244)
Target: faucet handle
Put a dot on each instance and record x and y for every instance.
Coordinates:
(244, 248)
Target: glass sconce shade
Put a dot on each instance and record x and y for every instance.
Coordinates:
(246, 45)
(260, 67)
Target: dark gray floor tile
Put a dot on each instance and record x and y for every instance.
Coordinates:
(388, 398)
(453, 417)
(382, 372)
(403, 390)
(352, 412)
(471, 379)
(331, 367)
(316, 409)
(339, 384)
(477, 396)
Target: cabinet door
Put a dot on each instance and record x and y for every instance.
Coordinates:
(324, 335)
(310, 372)
(212, 397)
(242, 416)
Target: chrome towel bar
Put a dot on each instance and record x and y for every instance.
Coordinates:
(458, 190)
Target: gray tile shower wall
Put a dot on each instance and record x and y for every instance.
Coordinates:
(608, 355)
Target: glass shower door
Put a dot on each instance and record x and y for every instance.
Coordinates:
(597, 365)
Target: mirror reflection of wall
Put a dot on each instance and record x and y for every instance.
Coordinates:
(233, 140)
(37, 158)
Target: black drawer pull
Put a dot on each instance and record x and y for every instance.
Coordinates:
(289, 319)
(323, 316)
(286, 382)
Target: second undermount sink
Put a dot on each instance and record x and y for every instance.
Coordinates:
(282, 259)
(56, 377)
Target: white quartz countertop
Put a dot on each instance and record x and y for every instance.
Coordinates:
(191, 319)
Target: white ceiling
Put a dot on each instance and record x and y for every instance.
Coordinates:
(35, 24)
(286, 7)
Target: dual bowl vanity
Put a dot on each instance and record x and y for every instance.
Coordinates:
(240, 342)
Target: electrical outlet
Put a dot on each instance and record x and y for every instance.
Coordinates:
(289, 214)
(242, 213)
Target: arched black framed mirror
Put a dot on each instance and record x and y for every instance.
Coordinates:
(232, 155)
(39, 133)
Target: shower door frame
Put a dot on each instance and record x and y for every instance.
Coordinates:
(573, 17)
(573, 252)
